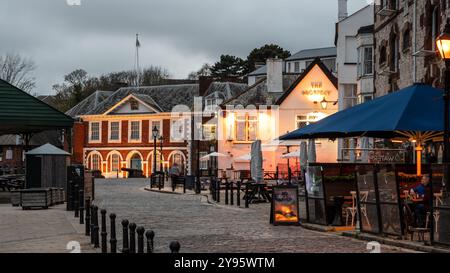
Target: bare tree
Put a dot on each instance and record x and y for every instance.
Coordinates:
(16, 70)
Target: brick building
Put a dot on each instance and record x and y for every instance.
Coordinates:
(404, 35)
(114, 129)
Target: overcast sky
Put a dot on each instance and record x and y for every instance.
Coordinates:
(179, 35)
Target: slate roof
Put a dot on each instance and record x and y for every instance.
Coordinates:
(258, 94)
(366, 29)
(226, 90)
(263, 70)
(89, 103)
(314, 53)
(163, 97)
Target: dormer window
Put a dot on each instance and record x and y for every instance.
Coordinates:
(212, 103)
(134, 104)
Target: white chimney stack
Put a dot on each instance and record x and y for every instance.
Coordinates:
(274, 75)
(342, 7)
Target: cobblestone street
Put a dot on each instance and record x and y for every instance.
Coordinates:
(203, 227)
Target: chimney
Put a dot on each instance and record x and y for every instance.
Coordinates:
(342, 7)
(274, 75)
(203, 84)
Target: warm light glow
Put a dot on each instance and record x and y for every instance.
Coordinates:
(286, 214)
(324, 104)
(315, 98)
(265, 126)
(230, 120)
(443, 45)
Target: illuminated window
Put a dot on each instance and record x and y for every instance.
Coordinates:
(95, 162)
(307, 119)
(115, 159)
(209, 131)
(246, 127)
(95, 131)
(114, 128)
(135, 130)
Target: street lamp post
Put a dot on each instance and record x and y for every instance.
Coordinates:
(155, 133)
(443, 46)
(161, 139)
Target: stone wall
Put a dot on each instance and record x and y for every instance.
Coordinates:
(428, 66)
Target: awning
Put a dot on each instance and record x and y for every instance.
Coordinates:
(415, 113)
(21, 113)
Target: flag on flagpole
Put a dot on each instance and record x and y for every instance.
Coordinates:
(138, 44)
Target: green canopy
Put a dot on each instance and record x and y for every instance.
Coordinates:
(21, 113)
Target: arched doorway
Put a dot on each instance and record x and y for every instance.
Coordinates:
(136, 162)
(94, 161)
(177, 157)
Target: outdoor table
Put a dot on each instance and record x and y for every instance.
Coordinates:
(258, 193)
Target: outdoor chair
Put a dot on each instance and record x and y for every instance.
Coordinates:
(411, 225)
(436, 214)
(353, 209)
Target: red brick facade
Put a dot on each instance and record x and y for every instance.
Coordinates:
(84, 149)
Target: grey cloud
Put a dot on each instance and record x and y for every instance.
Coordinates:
(177, 34)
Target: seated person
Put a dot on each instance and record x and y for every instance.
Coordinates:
(421, 191)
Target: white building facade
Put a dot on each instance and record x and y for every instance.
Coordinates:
(355, 74)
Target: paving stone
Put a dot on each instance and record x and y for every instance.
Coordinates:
(204, 228)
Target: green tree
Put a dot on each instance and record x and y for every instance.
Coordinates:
(261, 54)
(228, 66)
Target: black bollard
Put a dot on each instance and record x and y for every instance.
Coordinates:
(92, 224)
(125, 248)
(96, 228)
(231, 193)
(132, 227)
(227, 189)
(238, 193)
(88, 217)
(113, 240)
(218, 190)
(149, 234)
(174, 247)
(140, 239)
(212, 186)
(246, 194)
(81, 196)
(76, 202)
(104, 233)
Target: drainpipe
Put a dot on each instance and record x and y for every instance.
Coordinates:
(415, 41)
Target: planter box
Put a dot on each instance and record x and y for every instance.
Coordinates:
(15, 198)
(36, 198)
(55, 196)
